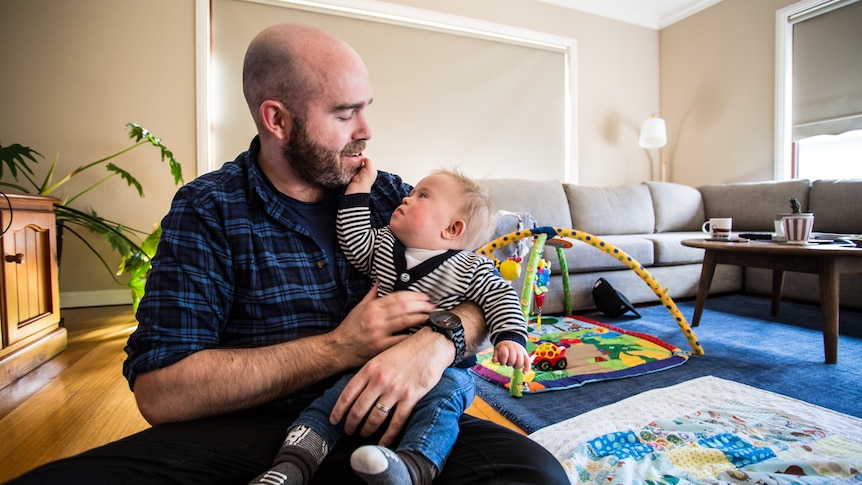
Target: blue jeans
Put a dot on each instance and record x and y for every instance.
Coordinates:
(432, 428)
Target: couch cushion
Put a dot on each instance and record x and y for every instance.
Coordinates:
(836, 204)
(585, 257)
(544, 200)
(670, 251)
(753, 205)
(611, 210)
(677, 207)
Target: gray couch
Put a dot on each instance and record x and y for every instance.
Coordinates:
(648, 221)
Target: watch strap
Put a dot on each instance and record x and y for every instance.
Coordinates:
(460, 345)
(440, 322)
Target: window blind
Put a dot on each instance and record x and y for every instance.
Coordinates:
(488, 108)
(827, 71)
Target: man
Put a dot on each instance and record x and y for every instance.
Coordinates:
(251, 310)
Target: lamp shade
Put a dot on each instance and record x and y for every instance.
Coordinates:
(653, 133)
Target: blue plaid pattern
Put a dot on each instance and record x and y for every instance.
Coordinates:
(233, 270)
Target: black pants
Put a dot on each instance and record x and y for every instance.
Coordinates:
(233, 449)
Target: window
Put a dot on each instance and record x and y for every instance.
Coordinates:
(829, 156)
(818, 94)
(435, 76)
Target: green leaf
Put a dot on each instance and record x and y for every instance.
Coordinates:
(13, 157)
(114, 233)
(69, 230)
(138, 133)
(151, 243)
(135, 254)
(138, 283)
(15, 186)
(132, 181)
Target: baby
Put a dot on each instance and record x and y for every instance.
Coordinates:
(427, 247)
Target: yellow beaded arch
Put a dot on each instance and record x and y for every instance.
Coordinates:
(542, 233)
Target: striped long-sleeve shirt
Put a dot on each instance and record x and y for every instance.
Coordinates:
(448, 278)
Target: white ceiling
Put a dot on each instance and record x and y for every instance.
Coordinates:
(655, 14)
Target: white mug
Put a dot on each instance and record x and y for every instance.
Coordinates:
(718, 227)
(779, 225)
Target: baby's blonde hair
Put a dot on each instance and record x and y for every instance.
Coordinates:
(477, 210)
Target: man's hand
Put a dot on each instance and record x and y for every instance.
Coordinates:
(396, 379)
(364, 179)
(399, 377)
(376, 324)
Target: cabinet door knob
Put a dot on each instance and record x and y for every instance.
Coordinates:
(15, 258)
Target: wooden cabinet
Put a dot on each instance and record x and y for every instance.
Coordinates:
(30, 331)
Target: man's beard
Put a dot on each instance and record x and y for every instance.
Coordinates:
(318, 165)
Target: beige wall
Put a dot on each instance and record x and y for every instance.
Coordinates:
(718, 92)
(76, 72)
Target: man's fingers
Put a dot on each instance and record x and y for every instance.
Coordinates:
(399, 419)
(407, 301)
(372, 293)
(376, 416)
(404, 309)
(347, 398)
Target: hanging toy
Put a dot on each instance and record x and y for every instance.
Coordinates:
(540, 288)
(510, 269)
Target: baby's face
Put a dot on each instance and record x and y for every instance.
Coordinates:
(424, 217)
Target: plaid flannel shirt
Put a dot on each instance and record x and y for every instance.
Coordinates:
(232, 270)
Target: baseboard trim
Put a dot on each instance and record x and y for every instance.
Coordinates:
(77, 299)
(18, 363)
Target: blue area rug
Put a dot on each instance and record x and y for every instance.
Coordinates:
(742, 342)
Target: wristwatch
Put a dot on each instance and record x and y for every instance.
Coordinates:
(449, 325)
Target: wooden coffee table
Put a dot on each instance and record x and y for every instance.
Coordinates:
(828, 261)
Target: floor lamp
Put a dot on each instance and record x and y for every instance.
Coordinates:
(654, 135)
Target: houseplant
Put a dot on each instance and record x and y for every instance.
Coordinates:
(798, 224)
(135, 247)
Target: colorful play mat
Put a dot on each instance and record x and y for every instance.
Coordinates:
(573, 351)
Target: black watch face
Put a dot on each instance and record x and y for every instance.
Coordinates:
(446, 320)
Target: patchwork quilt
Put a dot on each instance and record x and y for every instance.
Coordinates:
(731, 434)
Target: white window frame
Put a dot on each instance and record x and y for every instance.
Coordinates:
(783, 163)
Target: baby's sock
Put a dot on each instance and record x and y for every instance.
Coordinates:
(297, 460)
(286, 473)
(378, 465)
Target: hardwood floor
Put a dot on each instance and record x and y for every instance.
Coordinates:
(80, 399)
(74, 402)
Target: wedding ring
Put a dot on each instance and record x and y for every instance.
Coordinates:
(381, 407)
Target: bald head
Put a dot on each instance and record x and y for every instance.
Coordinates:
(287, 62)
